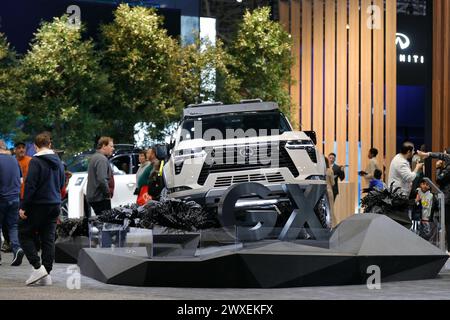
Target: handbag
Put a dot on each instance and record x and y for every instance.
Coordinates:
(143, 197)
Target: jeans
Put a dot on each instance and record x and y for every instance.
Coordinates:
(9, 216)
(41, 219)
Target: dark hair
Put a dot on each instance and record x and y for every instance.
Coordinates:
(448, 150)
(144, 152)
(103, 141)
(332, 154)
(377, 174)
(43, 140)
(406, 147)
(373, 152)
(327, 162)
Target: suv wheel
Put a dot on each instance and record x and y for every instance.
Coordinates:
(323, 212)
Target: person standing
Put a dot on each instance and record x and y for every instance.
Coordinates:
(40, 208)
(338, 171)
(443, 180)
(9, 200)
(143, 164)
(24, 162)
(329, 177)
(100, 177)
(145, 180)
(368, 174)
(400, 174)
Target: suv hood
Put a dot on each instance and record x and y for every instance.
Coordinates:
(200, 143)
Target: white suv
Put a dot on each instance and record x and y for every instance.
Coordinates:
(124, 162)
(219, 145)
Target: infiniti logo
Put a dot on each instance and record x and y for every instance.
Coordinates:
(402, 40)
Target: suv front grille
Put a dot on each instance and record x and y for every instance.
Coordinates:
(229, 180)
(284, 161)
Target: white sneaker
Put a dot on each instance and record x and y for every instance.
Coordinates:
(45, 281)
(36, 275)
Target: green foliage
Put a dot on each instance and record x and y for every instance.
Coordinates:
(65, 87)
(10, 93)
(262, 58)
(78, 90)
(143, 63)
(206, 75)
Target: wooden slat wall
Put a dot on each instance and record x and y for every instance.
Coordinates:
(441, 75)
(318, 66)
(284, 15)
(366, 84)
(353, 89)
(306, 50)
(330, 81)
(391, 84)
(341, 85)
(378, 83)
(446, 76)
(437, 75)
(347, 103)
(295, 71)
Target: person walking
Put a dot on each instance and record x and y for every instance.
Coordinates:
(9, 200)
(40, 209)
(368, 173)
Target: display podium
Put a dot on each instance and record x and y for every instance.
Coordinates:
(222, 260)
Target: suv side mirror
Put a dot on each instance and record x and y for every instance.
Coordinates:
(312, 135)
(162, 151)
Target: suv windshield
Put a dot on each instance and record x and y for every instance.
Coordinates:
(252, 123)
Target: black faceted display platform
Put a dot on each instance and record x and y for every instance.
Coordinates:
(356, 244)
(67, 250)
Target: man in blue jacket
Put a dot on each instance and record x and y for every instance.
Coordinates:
(9, 200)
(40, 208)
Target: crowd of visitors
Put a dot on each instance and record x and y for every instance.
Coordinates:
(30, 192)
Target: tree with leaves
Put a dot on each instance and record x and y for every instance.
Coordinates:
(206, 75)
(262, 58)
(10, 91)
(65, 88)
(143, 62)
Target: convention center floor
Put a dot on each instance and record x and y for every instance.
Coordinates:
(69, 285)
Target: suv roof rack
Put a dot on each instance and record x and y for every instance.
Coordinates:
(250, 100)
(201, 110)
(205, 104)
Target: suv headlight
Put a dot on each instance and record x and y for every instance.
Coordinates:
(181, 156)
(299, 144)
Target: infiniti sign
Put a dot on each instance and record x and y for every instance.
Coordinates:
(403, 42)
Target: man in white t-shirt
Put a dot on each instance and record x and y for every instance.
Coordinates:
(400, 173)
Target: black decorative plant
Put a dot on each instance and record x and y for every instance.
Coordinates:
(72, 228)
(390, 202)
(169, 213)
